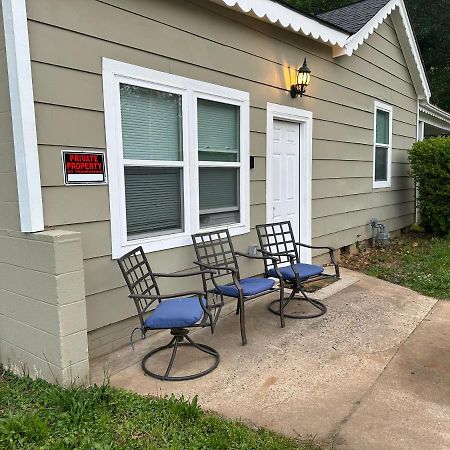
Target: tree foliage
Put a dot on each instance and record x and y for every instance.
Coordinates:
(431, 21)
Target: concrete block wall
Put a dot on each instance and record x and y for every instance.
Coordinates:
(43, 328)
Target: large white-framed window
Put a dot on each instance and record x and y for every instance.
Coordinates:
(382, 149)
(178, 157)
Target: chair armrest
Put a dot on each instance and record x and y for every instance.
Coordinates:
(270, 254)
(180, 275)
(234, 274)
(331, 251)
(167, 296)
(214, 269)
(256, 257)
(316, 246)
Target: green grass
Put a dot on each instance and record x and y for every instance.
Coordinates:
(419, 262)
(37, 415)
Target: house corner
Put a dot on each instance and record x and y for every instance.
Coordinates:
(43, 329)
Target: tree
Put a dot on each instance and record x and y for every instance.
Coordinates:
(431, 21)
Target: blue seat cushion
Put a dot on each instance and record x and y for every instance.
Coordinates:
(304, 270)
(250, 286)
(176, 313)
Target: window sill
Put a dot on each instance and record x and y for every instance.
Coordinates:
(381, 184)
(168, 242)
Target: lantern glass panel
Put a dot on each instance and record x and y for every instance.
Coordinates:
(306, 78)
(303, 78)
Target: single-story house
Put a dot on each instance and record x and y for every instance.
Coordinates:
(140, 122)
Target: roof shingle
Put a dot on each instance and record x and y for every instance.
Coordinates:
(353, 17)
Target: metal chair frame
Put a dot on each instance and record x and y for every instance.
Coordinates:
(144, 290)
(215, 251)
(280, 237)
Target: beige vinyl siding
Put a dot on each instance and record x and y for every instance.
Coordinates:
(9, 203)
(200, 40)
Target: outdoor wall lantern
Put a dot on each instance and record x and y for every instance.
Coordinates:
(303, 80)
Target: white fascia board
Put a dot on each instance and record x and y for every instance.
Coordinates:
(407, 41)
(285, 17)
(23, 115)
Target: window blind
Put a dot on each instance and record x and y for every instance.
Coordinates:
(218, 188)
(218, 131)
(153, 199)
(151, 124)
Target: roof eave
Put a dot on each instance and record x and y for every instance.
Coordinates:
(357, 39)
(343, 43)
(435, 112)
(284, 17)
(407, 40)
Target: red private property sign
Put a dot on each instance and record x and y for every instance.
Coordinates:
(83, 167)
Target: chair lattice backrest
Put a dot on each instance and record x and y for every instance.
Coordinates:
(215, 249)
(139, 278)
(277, 237)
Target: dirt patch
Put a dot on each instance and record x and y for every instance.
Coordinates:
(418, 261)
(316, 285)
(389, 257)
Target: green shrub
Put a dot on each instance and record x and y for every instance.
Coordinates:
(430, 168)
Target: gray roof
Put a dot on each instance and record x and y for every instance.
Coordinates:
(353, 17)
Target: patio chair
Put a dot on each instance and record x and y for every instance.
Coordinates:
(175, 312)
(215, 252)
(277, 240)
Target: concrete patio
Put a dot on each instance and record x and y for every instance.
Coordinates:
(373, 373)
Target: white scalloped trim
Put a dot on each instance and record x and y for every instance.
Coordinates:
(363, 34)
(436, 112)
(356, 40)
(278, 14)
(434, 116)
(342, 43)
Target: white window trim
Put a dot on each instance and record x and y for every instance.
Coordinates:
(387, 108)
(115, 72)
(305, 119)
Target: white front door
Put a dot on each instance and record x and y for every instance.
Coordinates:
(285, 179)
